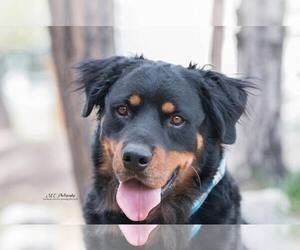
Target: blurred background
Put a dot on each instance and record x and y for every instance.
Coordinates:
(44, 143)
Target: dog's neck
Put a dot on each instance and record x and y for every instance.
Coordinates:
(209, 185)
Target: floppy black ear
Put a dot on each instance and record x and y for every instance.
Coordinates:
(224, 100)
(97, 76)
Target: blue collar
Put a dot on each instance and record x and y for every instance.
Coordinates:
(210, 185)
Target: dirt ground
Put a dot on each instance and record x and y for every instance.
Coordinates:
(30, 171)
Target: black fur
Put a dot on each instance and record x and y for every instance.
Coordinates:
(213, 104)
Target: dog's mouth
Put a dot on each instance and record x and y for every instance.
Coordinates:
(137, 200)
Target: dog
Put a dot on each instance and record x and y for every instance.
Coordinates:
(158, 147)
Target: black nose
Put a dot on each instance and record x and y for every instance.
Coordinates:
(136, 157)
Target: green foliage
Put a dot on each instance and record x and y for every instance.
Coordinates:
(294, 231)
(292, 189)
(261, 179)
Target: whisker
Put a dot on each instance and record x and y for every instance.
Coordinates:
(197, 175)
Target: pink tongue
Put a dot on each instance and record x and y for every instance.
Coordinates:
(136, 200)
(136, 235)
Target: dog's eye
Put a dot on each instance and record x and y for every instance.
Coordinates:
(122, 110)
(176, 120)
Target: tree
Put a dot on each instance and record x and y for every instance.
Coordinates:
(91, 35)
(4, 117)
(260, 42)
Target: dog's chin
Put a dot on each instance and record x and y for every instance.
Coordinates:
(137, 196)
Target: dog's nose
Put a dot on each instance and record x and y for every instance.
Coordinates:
(136, 157)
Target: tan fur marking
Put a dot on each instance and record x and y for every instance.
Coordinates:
(156, 175)
(135, 100)
(164, 163)
(181, 159)
(161, 167)
(118, 166)
(108, 203)
(168, 107)
(107, 154)
(200, 142)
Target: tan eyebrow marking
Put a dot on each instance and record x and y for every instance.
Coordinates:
(168, 107)
(135, 100)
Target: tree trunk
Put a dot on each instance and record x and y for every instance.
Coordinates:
(217, 35)
(260, 40)
(70, 45)
(4, 117)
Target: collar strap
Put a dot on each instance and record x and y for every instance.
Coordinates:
(211, 184)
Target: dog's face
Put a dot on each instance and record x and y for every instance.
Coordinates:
(154, 119)
(151, 122)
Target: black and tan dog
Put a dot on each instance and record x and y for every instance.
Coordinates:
(159, 140)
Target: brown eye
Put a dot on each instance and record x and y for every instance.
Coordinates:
(122, 110)
(176, 120)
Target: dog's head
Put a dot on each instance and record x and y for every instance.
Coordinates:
(155, 118)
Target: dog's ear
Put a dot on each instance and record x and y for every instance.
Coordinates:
(97, 76)
(224, 100)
